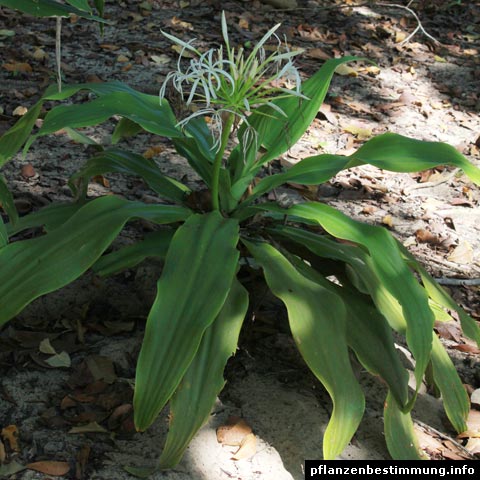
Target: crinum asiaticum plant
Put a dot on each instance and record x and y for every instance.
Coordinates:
(346, 289)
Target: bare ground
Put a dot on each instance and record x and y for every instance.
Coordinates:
(422, 88)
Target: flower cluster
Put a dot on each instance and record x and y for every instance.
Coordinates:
(227, 81)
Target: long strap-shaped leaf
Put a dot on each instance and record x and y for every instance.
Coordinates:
(391, 269)
(191, 404)
(31, 268)
(391, 151)
(199, 268)
(7, 202)
(368, 333)
(116, 160)
(454, 395)
(13, 139)
(276, 132)
(318, 324)
(144, 110)
(400, 436)
(49, 8)
(469, 326)
(362, 272)
(154, 244)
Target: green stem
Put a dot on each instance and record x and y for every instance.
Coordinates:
(217, 164)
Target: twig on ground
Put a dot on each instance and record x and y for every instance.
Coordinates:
(419, 23)
(458, 281)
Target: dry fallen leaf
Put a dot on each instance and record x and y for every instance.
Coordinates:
(345, 70)
(462, 254)
(20, 111)
(56, 469)
(247, 449)
(361, 133)
(18, 67)
(388, 221)
(3, 455)
(92, 427)
(28, 171)
(10, 435)
(152, 151)
(475, 397)
(233, 432)
(46, 347)
(59, 360)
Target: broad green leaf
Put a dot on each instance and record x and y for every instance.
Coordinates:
(7, 202)
(191, 404)
(125, 128)
(154, 244)
(50, 217)
(3, 234)
(48, 8)
(145, 110)
(197, 129)
(454, 395)
(360, 270)
(188, 148)
(199, 268)
(400, 436)
(80, 4)
(317, 319)
(368, 333)
(81, 138)
(391, 151)
(276, 132)
(391, 269)
(34, 267)
(469, 326)
(310, 171)
(13, 139)
(115, 160)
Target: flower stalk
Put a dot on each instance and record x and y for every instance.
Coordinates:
(217, 164)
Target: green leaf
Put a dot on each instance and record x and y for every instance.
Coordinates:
(200, 265)
(191, 404)
(3, 234)
(400, 436)
(370, 337)
(360, 269)
(469, 326)
(80, 4)
(154, 244)
(145, 110)
(309, 171)
(454, 395)
(7, 202)
(48, 8)
(115, 160)
(391, 269)
(318, 322)
(34, 267)
(13, 139)
(278, 133)
(368, 333)
(391, 151)
(125, 128)
(51, 217)
(188, 148)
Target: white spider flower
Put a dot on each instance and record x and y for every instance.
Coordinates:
(231, 82)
